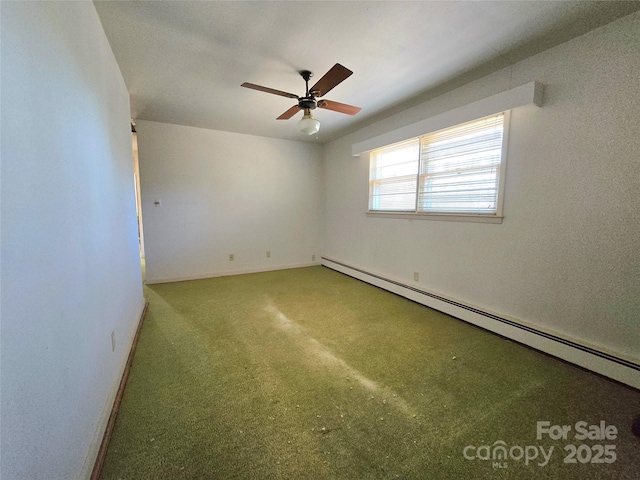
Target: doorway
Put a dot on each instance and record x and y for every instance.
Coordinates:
(136, 178)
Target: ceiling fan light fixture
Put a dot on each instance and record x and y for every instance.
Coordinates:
(308, 125)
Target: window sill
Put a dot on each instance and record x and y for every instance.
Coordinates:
(448, 217)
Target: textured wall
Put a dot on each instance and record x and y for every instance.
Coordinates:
(70, 266)
(567, 257)
(225, 193)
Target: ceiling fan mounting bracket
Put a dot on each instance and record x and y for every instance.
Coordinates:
(306, 74)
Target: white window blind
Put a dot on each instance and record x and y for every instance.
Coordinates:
(393, 177)
(460, 168)
(451, 171)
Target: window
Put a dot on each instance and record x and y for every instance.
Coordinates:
(455, 171)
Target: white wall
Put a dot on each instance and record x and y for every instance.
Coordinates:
(224, 193)
(70, 267)
(567, 256)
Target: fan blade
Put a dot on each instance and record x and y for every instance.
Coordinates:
(333, 77)
(289, 113)
(268, 90)
(338, 107)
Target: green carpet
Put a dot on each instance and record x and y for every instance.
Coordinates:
(310, 374)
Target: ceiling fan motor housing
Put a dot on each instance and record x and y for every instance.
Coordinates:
(307, 102)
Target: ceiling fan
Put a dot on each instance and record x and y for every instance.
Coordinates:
(310, 101)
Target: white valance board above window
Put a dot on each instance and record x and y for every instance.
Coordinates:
(528, 94)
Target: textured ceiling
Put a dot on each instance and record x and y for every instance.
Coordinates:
(183, 62)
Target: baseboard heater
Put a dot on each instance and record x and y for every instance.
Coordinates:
(609, 365)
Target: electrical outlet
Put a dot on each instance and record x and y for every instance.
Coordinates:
(313, 258)
(268, 253)
(231, 257)
(113, 340)
(416, 276)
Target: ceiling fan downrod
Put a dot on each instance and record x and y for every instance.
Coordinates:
(308, 101)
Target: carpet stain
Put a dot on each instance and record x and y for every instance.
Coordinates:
(319, 353)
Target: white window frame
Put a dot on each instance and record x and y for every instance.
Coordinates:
(450, 216)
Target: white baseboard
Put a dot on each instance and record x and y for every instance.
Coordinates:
(226, 273)
(611, 365)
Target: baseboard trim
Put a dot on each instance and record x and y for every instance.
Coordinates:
(609, 364)
(102, 452)
(228, 273)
